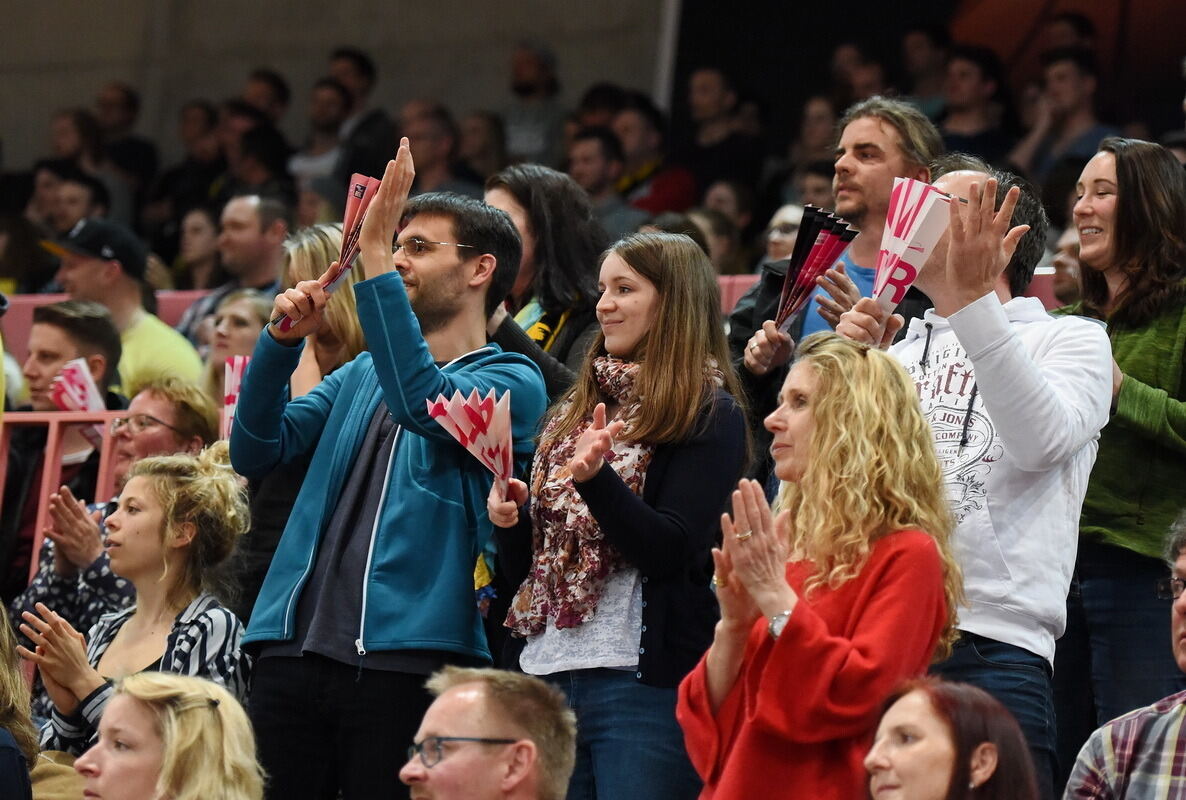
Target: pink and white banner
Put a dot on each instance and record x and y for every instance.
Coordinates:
(73, 389)
(232, 379)
(482, 426)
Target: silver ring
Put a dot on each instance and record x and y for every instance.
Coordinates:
(753, 347)
(741, 537)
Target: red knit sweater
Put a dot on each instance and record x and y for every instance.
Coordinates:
(798, 722)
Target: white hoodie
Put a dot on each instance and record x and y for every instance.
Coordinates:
(1016, 399)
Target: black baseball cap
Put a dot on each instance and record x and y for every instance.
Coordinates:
(100, 238)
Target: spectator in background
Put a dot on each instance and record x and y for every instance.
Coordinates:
(482, 146)
(79, 196)
(1067, 285)
(649, 182)
(869, 80)
(549, 315)
(972, 93)
(600, 103)
(75, 135)
(188, 184)
(251, 245)
(47, 175)
(596, 163)
(924, 57)
(238, 320)
(235, 119)
(267, 90)
(847, 57)
(329, 104)
(534, 121)
(1070, 29)
(24, 266)
(723, 238)
(813, 184)
(1131, 217)
(736, 201)
(199, 264)
(104, 262)
(717, 149)
(60, 333)
(1065, 124)
(782, 231)
(262, 166)
(116, 109)
(490, 705)
(368, 134)
(434, 136)
(674, 222)
(815, 142)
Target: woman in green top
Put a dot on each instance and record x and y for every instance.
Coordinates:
(1116, 655)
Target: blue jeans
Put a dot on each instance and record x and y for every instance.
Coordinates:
(1117, 654)
(1021, 681)
(629, 744)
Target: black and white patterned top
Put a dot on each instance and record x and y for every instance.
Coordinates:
(204, 643)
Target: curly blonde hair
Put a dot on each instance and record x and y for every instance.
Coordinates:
(205, 492)
(872, 470)
(208, 749)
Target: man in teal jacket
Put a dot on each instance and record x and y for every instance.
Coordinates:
(371, 588)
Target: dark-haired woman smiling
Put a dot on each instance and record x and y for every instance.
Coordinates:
(1131, 217)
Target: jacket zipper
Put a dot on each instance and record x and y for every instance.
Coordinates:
(366, 575)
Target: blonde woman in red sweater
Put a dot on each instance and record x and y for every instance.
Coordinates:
(827, 607)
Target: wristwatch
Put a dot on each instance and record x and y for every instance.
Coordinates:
(777, 623)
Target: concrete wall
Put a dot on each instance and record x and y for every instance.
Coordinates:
(57, 54)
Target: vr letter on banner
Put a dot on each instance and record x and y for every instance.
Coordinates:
(482, 426)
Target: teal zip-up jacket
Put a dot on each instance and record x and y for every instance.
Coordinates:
(431, 524)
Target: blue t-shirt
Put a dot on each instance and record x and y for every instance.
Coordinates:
(862, 276)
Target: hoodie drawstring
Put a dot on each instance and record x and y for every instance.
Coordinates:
(968, 417)
(926, 348)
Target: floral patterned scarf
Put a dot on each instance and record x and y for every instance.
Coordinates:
(572, 558)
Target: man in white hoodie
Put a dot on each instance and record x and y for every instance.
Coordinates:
(1016, 399)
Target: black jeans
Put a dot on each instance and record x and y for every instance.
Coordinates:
(324, 727)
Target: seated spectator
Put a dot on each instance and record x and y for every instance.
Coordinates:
(267, 90)
(734, 200)
(177, 521)
(18, 737)
(79, 196)
(534, 119)
(524, 725)
(238, 320)
(116, 108)
(47, 176)
(782, 232)
(75, 135)
(190, 737)
(948, 741)
(813, 184)
(368, 134)
(261, 166)
(924, 55)
(724, 241)
(1067, 283)
(104, 262)
(25, 267)
(434, 137)
(551, 317)
(649, 181)
(974, 94)
(825, 608)
(600, 103)
(817, 132)
(251, 246)
(673, 222)
(1070, 29)
(199, 263)
(612, 539)
(596, 163)
(1138, 755)
(74, 574)
(60, 332)
(313, 165)
(718, 150)
(482, 144)
(1066, 123)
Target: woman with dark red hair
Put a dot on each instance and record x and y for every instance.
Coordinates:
(939, 740)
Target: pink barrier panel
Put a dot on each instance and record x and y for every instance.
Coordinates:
(732, 288)
(19, 319)
(51, 471)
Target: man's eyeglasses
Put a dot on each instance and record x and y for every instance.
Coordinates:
(431, 749)
(414, 247)
(139, 423)
(1170, 588)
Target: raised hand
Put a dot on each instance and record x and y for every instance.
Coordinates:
(75, 533)
(738, 610)
(758, 549)
(304, 303)
(869, 323)
(505, 512)
(767, 349)
(842, 294)
(980, 242)
(593, 444)
(385, 211)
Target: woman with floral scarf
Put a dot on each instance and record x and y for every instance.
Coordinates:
(634, 465)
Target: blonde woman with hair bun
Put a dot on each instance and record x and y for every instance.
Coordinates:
(175, 737)
(826, 607)
(177, 522)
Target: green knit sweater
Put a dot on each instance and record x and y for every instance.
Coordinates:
(1138, 485)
